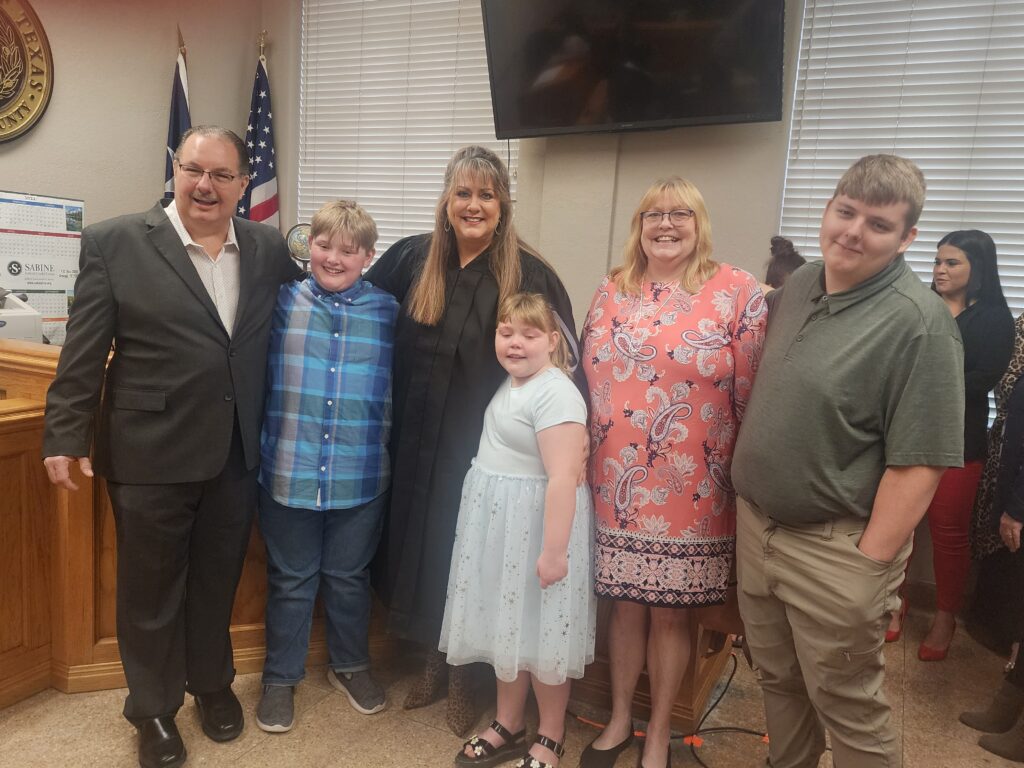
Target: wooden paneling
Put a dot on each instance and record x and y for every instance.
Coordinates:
(251, 597)
(703, 671)
(12, 576)
(26, 369)
(106, 564)
(74, 581)
(25, 535)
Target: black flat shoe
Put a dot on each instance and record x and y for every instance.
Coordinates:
(605, 758)
(160, 744)
(221, 714)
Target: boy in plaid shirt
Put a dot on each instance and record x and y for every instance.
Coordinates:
(324, 462)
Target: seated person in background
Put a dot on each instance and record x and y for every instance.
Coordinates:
(325, 465)
(784, 261)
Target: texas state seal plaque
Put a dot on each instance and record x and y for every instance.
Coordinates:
(26, 69)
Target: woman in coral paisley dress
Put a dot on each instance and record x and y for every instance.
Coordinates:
(671, 344)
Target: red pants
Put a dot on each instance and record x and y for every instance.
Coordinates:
(949, 519)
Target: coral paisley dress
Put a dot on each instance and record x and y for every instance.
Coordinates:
(669, 374)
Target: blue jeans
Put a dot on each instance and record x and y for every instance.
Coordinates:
(308, 549)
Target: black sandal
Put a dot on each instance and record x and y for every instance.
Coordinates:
(529, 761)
(487, 754)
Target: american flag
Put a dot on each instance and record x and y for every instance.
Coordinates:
(180, 119)
(260, 200)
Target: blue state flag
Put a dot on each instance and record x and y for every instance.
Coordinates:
(179, 122)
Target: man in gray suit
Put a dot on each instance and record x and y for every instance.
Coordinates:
(185, 295)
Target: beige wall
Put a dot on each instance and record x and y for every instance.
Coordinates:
(282, 19)
(103, 134)
(577, 193)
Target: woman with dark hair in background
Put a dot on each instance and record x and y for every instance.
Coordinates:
(449, 284)
(966, 278)
(785, 260)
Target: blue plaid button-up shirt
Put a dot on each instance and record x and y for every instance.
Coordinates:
(325, 437)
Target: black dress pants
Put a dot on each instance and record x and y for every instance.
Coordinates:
(180, 550)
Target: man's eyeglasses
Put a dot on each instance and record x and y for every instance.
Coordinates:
(195, 173)
(678, 216)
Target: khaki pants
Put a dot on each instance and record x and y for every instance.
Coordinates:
(816, 610)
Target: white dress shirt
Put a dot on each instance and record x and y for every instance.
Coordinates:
(219, 274)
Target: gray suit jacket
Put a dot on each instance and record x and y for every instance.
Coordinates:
(177, 379)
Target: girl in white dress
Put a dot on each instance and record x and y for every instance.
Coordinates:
(520, 593)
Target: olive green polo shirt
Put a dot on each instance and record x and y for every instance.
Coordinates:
(849, 384)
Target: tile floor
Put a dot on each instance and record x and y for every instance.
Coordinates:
(86, 730)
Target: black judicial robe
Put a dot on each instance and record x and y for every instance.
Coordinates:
(444, 377)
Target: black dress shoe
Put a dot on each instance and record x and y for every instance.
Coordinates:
(221, 714)
(160, 744)
(605, 758)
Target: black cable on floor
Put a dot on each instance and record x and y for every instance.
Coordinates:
(698, 731)
(724, 728)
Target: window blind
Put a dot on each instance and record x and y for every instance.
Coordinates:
(937, 81)
(389, 89)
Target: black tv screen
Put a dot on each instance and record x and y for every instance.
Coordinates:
(580, 66)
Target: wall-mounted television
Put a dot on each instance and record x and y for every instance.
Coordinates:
(581, 66)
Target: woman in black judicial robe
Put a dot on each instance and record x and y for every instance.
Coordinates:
(449, 283)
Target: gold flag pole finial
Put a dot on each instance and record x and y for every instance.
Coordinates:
(262, 41)
(181, 43)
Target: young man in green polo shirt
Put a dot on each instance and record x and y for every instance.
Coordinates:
(856, 412)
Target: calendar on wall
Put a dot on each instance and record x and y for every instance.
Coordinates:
(39, 243)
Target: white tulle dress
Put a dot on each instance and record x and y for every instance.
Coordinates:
(496, 611)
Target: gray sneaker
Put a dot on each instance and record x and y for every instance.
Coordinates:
(276, 711)
(364, 694)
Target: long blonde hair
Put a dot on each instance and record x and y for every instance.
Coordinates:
(533, 310)
(428, 295)
(630, 274)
